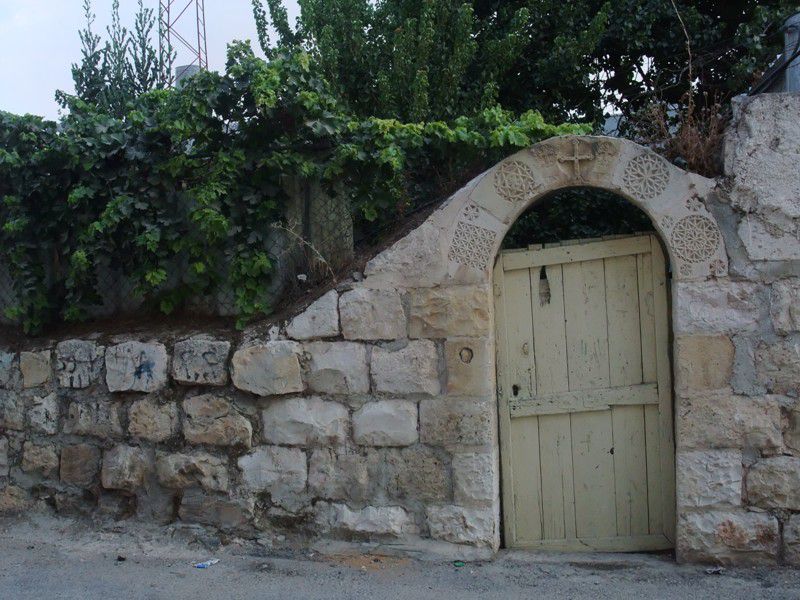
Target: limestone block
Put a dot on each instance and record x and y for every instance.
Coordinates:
(723, 420)
(268, 369)
(13, 499)
(35, 367)
(774, 482)
(79, 363)
(791, 433)
(201, 360)
(417, 474)
(9, 371)
(791, 540)
(778, 366)
(765, 240)
(474, 478)
(180, 471)
(40, 459)
(703, 362)
(446, 421)
(124, 468)
(372, 520)
(80, 464)
(709, 478)
(136, 367)
(338, 476)
(727, 536)
(224, 513)
(100, 419)
(416, 259)
(461, 525)
(319, 320)
(149, 420)
(470, 368)
(410, 370)
(716, 306)
(210, 419)
(386, 423)
(12, 411)
(372, 315)
(785, 305)
(338, 368)
(3, 457)
(305, 422)
(274, 469)
(453, 311)
(43, 415)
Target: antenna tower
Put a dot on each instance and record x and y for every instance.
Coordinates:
(184, 22)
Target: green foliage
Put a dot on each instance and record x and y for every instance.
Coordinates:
(436, 59)
(195, 178)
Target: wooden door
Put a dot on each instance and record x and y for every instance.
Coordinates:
(585, 396)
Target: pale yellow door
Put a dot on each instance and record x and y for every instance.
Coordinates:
(585, 396)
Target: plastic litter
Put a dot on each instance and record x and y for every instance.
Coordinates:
(715, 570)
(458, 563)
(206, 564)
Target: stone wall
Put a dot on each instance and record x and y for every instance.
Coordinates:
(372, 414)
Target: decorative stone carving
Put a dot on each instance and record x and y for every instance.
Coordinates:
(646, 176)
(515, 181)
(470, 213)
(575, 160)
(695, 238)
(472, 245)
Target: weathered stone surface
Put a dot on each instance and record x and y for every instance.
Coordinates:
(149, 420)
(13, 499)
(3, 457)
(775, 483)
(79, 363)
(722, 420)
(279, 471)
(338, 368)
(9, 370)
(213, 420)
(180, 471)
(716, 306)
(778, 366)
(791, 541)
(338, 476)
(446, 421)
(35, 367)
(417, 258)
(417, 474)
(703, 362)
(461, 525)
(199, 507)
(43, 415)
(40, 459)
(124, 468)
(12, 411)
(80, 464)
(726, 536)
(470, 368)
(136, 367)
(474, 478)
(305, 422)
(785, 305)
(372, 315)
(410, 370)
(709, 478)
(386, 423)
(319, 320)
(201, 360)
(450, 312)
(791, 433)
(268, 369)
(372, 520)
(100, 419)
(766, 240)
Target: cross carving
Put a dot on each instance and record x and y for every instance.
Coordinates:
(576, 159)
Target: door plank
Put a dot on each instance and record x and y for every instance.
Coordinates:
(624, 329)
(593, 465)
(558, 494)
(519, 335)
(525, 466)
(572, 253)
(549, 331)
(630, 470)
(585, 400)
(652, 436)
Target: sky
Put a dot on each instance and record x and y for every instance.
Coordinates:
(39, 41)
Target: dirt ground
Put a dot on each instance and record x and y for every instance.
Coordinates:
(47, 558)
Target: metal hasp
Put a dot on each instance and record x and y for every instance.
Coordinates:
(784, 75)
(184, 22)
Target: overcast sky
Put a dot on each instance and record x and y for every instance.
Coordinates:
(39, 41)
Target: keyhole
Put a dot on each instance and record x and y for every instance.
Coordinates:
(515, 390)
(544, 287)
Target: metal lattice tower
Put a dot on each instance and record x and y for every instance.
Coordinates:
(184, 22)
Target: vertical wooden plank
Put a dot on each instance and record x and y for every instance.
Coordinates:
(593, 465)
(624, 330)
(630, 470)
(527, 479)
(586, 325)
(558, 494)
(519, 334)
(652, 436)
(667, 450)
(646, 315)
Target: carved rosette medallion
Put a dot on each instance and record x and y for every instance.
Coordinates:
(695, 238)
(646, 176)
(515, 181)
